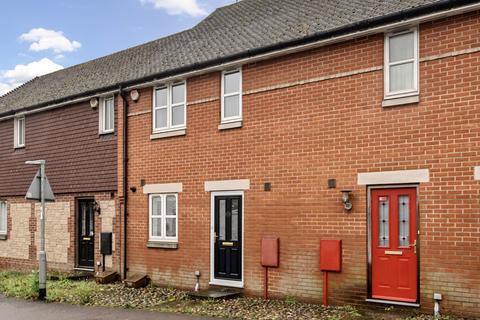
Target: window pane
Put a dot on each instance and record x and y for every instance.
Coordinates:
(178, 93)
(403, 210)
(21, 133)
(401, 77)
(156, 227)
(232, 82)
(171, 206)
(383, 222)
(111, 115)
(171, 227)
(156, 206)
(161, 118)
(401, 47)
(161, 97)
(232, 106)
(234, 220)
(222, 221)
(178, 115)
(3, 217)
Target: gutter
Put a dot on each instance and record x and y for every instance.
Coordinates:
(124, 178)
(381, 24)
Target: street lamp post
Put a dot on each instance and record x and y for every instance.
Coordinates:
(42, 255)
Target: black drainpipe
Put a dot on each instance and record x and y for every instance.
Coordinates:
(125, 177)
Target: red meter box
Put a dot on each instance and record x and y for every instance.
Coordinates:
(331, 255)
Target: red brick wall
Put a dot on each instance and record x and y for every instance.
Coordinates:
(299, 136)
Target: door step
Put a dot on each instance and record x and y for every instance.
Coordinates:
(216, 293)
(105, 277)
(136, 280)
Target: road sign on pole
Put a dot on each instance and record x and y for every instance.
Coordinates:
(40, 190)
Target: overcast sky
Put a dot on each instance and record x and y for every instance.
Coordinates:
(39, 37)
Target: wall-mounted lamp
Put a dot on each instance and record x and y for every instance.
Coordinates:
(133, 189)
(96, 208)
(347, 205)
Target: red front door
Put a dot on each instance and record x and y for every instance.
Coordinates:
(393, 241)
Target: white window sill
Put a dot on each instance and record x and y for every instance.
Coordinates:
(162, 244)
(230, 125)
(19, 147)
(3, 237)
(391, 102)
(167, 134)
(102, 133)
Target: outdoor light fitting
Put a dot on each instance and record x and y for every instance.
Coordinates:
(347, 204)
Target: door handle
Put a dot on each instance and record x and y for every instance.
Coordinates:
(414, 245)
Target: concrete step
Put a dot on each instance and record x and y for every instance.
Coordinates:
(216, 292)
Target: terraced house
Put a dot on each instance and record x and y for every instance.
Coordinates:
(295, 120)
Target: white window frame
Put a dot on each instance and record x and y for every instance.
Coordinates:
(103, 103)
(401, 93)
(163, 217)
(3, 215)
(239, 93)
(16, 135)
(169, 107)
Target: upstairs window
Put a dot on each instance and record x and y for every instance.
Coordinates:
(231, 96)
(169, 107)
(163, 223)
(3, 218)
(19, 132)
(401, 64)
(107, 115)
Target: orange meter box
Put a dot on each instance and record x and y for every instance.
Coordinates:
(331, 255)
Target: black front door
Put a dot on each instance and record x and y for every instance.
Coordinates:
(85, 232)
(228, 237)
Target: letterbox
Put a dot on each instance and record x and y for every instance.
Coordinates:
(331, 255)
(270, 252)
(106, 243)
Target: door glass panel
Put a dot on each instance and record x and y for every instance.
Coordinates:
(91, 216)
(404, 215)
(222, 222)
(383, 232)
(84, 220)
(234, 220)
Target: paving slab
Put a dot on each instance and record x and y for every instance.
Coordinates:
(17, 309)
